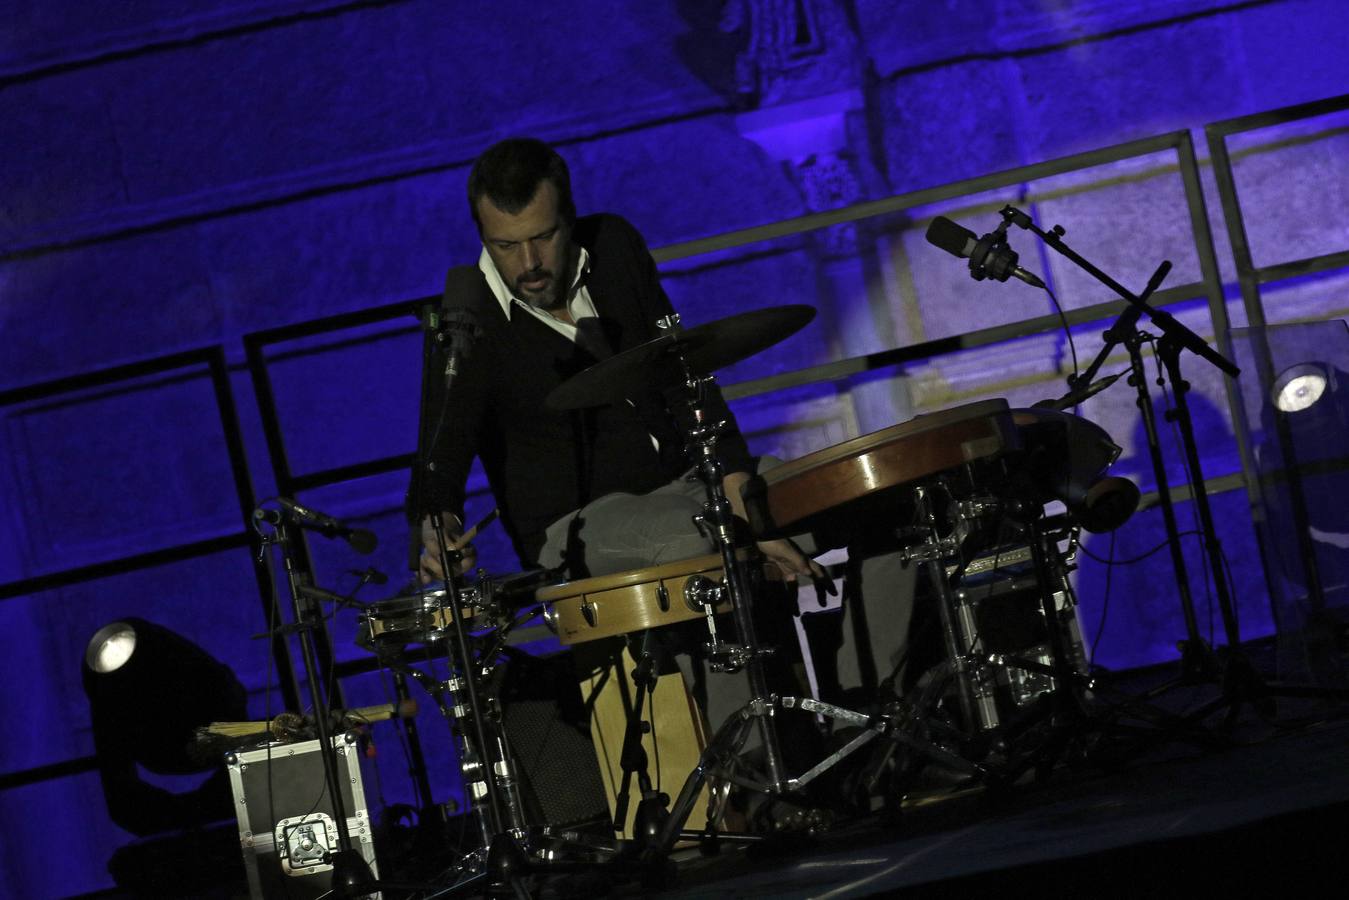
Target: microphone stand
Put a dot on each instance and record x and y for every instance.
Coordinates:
(351, 875)
(1240, 682)
(505, 862)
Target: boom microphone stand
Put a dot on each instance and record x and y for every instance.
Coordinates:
(351, 874)
(1240, 682)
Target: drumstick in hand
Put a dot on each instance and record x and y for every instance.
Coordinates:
(464, 539)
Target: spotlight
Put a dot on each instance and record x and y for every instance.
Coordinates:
(1309, 400)
(1299, 387)
(110, 648)
(149, 689)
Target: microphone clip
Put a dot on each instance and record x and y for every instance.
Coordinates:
(992, 258)
(292, 513)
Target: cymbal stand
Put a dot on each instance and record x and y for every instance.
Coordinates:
(718, 523)
(501, 862)
(719, 759)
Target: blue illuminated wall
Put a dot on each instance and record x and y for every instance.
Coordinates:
(177, 176)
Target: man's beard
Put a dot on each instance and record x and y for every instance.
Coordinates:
(550, 298)
(554, 295)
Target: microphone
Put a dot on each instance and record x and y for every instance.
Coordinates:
(458, 332)
(361, 541)
(989, 256)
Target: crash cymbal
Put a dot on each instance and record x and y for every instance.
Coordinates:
(704, 349)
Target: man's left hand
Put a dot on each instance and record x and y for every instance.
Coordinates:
(791, 561)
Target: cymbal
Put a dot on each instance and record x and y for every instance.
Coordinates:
(704, 349)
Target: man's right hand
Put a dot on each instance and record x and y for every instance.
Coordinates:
(431, 569)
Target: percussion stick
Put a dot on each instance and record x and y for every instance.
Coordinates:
(405, 709)
(467, 536)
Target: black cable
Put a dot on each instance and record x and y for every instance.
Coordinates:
(1136, 559)
(1105, 602)
(1068, 332)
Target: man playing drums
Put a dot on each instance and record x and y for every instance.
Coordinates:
(593, 491)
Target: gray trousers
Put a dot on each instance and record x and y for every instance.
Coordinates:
(619, 532)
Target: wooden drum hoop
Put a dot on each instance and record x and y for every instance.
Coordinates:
(635, 600)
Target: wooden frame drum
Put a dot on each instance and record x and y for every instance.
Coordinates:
(609, 605)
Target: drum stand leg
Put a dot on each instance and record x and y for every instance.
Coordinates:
(1078, 716)
(652, 807)
(719, 759)
(913, 721)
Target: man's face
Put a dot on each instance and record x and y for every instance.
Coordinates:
(531, 248)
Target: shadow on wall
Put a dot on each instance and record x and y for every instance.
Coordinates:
(709, 50)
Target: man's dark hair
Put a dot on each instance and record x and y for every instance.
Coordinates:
(509, 174)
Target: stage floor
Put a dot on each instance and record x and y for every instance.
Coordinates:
(1265, 816)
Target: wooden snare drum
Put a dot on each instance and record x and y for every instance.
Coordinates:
(609, 605)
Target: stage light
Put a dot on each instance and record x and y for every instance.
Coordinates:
(110, 648)
(149, 689)
(1299, 387)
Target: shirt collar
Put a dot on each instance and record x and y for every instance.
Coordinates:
(503, 293)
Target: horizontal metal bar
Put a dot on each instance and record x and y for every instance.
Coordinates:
(1299, 267)
(24, 778)
(101, 377)
(1281, 116)
(325, 477)
(1219, 484)
(122, 565)
(363, 665)
(856, 365)
(902, 202)
(338, 322)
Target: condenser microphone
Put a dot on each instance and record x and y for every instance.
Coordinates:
(989, 256)
(458, 332)
(361, 541)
